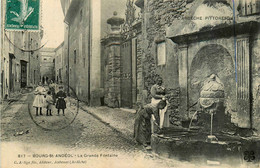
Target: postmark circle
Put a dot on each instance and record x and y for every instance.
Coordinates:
(56, 121)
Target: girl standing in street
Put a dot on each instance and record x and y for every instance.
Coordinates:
(61, 104)
(39, 101)
(49, 103)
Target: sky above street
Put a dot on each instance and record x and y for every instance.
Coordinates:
(52, 22)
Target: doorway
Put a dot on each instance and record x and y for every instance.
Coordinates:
(23, 74)
(126, 74)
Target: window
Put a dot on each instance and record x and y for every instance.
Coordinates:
(75, 56)
(161, 53)
(45, 59)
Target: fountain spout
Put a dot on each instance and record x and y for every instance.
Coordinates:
(192, 119)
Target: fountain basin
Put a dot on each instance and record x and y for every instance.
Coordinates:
(192, 146)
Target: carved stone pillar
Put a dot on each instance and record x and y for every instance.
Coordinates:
(183, 81)
(243, 81)
(112, 52)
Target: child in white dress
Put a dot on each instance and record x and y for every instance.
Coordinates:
(39, 101)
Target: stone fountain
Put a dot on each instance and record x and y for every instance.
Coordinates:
(209, 137)
(212, 101)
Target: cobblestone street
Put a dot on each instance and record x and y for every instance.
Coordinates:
(86, 136)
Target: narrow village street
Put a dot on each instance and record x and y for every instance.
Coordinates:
(86, 139)
(130, 84)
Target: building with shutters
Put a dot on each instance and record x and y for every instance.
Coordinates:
(20, 59)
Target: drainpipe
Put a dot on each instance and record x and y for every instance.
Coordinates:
(68, 58)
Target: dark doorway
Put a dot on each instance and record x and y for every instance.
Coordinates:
(11, 76)
(23, 74)
(34, 76)
(126, 74)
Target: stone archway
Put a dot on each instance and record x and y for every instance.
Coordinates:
(211, 59)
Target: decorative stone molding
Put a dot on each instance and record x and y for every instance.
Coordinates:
(115, 23)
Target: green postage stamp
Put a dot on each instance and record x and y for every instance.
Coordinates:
(22, 14)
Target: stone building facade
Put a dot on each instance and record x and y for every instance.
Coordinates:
(20, 58)
(59, 67)
(47, 65)
(120, 62)
(183, 42)
(184, 45)
(85, 25)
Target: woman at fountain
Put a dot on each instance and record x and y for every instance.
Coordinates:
(158, 94)
(39, 100)
(142, 126)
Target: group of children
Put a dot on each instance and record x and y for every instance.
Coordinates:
(47, 101)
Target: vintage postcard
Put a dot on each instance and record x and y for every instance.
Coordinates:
(130, 83)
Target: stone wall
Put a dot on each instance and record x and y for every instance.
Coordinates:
(158, 14)
(139, 70)
(78, 43)
(35, 58)
(256, 81)
(26, 41)
(112, 71)
(59, 64)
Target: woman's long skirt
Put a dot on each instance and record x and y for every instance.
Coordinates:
(142, 127)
